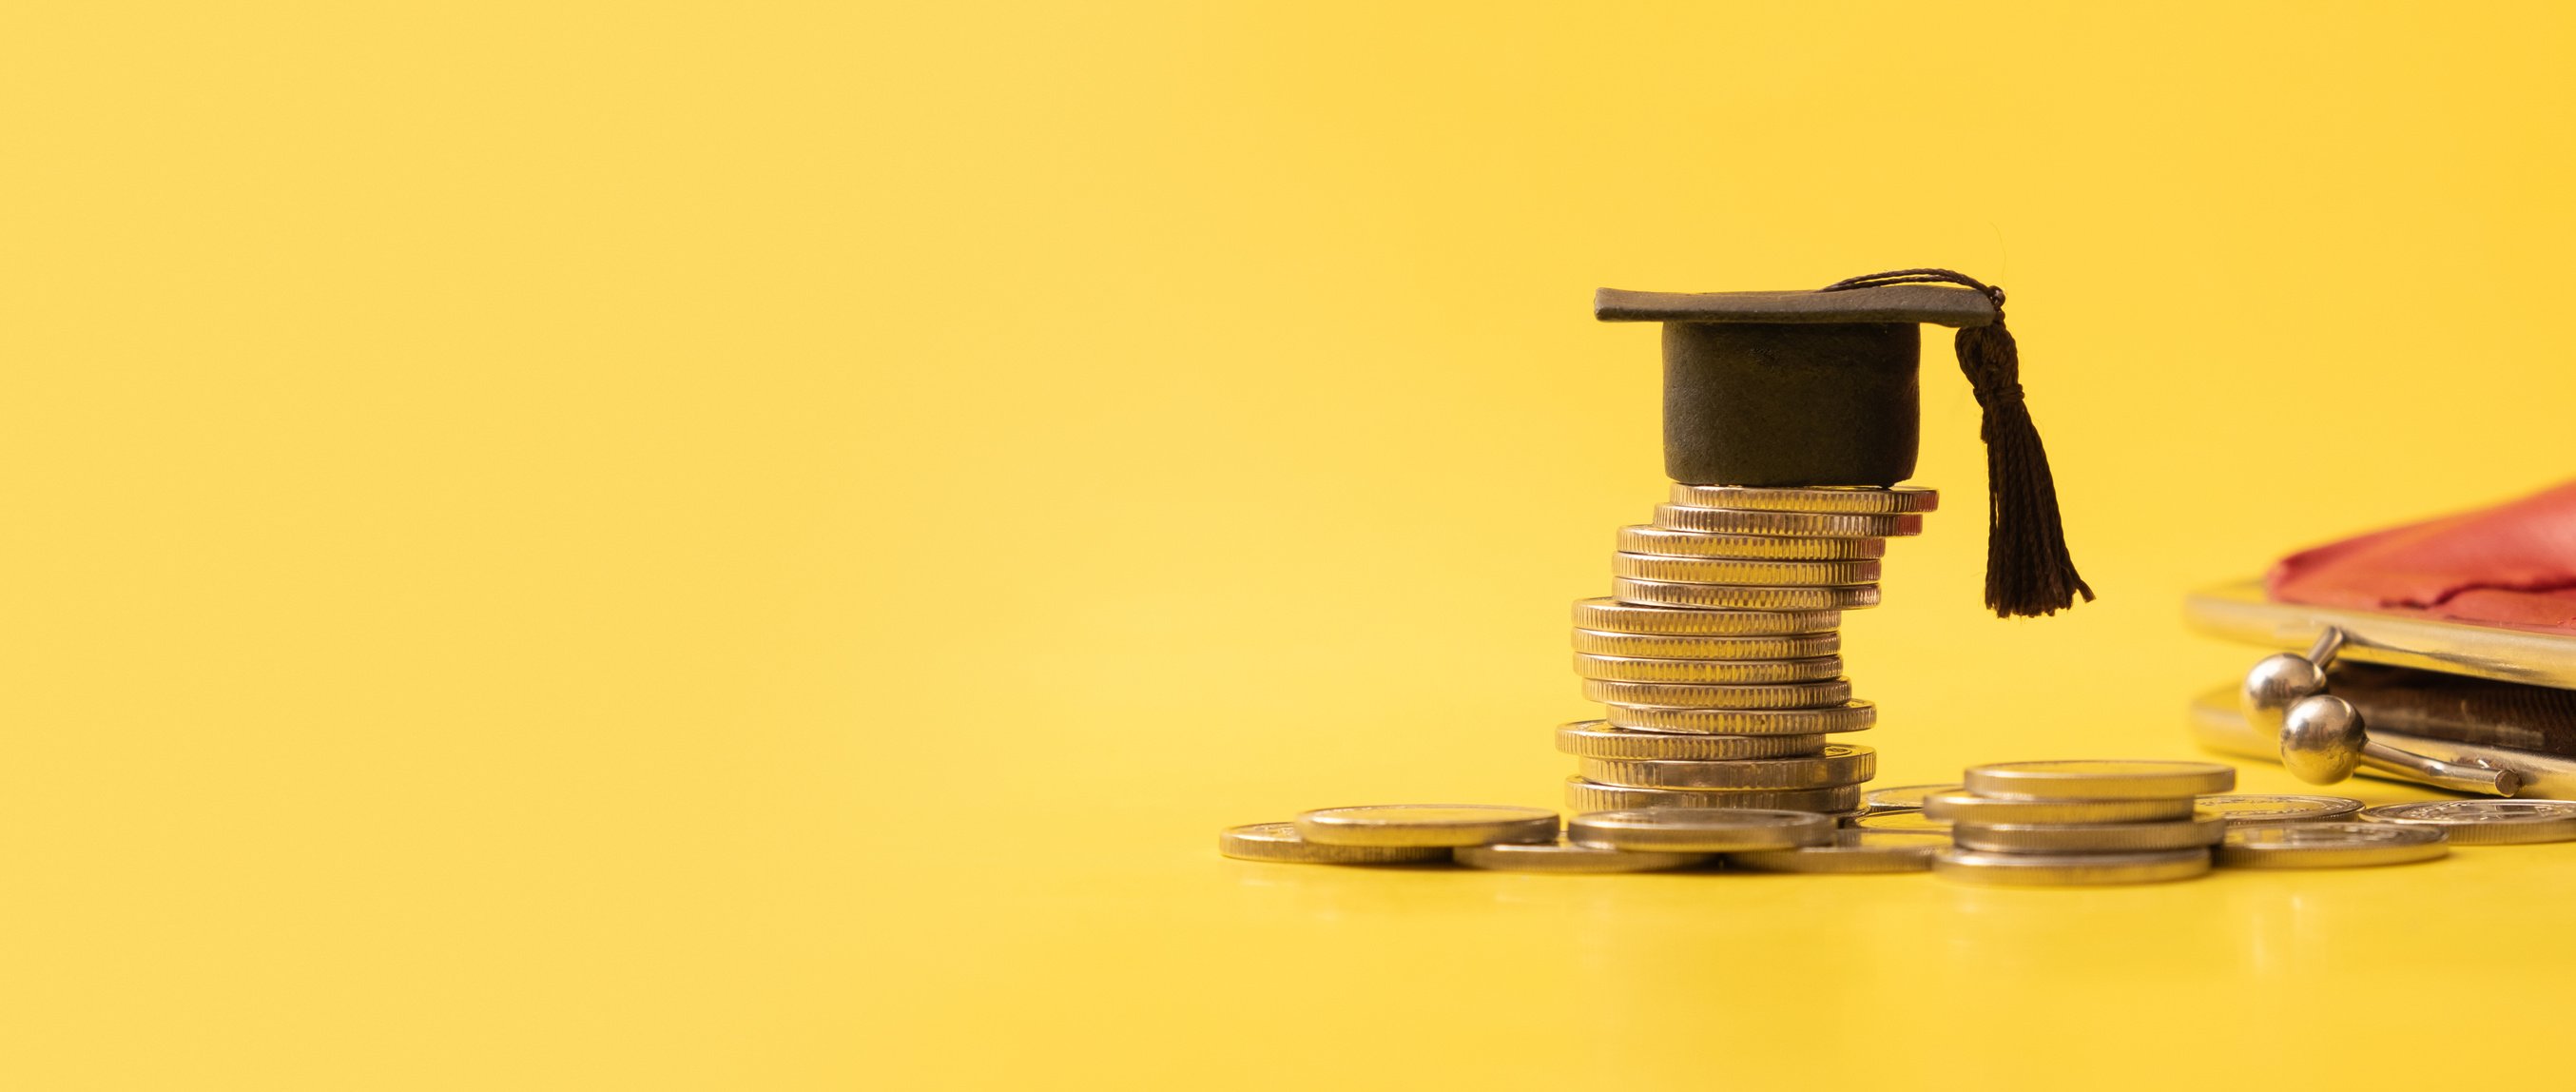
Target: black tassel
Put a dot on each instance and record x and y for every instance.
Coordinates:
(2028, 571)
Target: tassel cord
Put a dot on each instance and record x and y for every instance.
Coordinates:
(2028, 569)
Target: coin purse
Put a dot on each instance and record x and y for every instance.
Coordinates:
(2468, 685)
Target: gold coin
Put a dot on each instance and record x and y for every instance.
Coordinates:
(1666, 542)
(1427, 825)
(2068, 869)
(1850, 716)
(1584, 795)
(1702, 830)
(1901, 797)
(1656, 593)
(1839, 764)
(2099, 779)
(1721, 570)
(1961, 806)
(2314, 844)
(1279, 842)
(1852, 851)
(2267, 808)
(2087, 837)
(1612, 616)
(1598, 739)
(1633, 669)
(1859, 500)
(1795, 646)
(1900, 819)
(1565, 856)
(1728, 521)
(1797, 695)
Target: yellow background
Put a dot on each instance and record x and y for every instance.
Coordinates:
(755, 546)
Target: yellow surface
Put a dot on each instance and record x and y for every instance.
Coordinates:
(755, 546)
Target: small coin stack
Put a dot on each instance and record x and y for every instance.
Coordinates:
(2079, 822)
(1717, 652)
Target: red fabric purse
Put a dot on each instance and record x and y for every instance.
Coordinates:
(2513, 564)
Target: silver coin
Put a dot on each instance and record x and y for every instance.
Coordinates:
(1858, 499)
(2099, 779)
(1612, 616)
(1427, 825)
(1899, 819)
(1567, 856)
(1582, 795)
(1278, 842)
(1730, 521)
(1720, 570)
(1798, 695)
(2262, 807)
(2087, 837)
(2068, 869)
(1837, 764)
(1666, 542)
(1658, 593)
(1639, 669)
(1701, 830)
(1852, 851)
(1598, 739)
(1902, 797)
(1787, 646)
(1850, 716)
(2315, 844)
(1959, 806)
(2486, 822)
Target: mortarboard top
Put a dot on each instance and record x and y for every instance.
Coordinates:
(1819, 389)
(1911, 303)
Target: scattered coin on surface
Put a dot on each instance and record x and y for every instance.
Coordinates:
(2086, 837)
(2277, 807)
(2068, 869)
(1568, 856)
(1851, 851)
(1427, 825)
(2486, 822)
(1961, 806)
(2324, 844)
(1279, 842)
(2099, 779)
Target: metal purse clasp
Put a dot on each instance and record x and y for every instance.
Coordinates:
(2322, 739)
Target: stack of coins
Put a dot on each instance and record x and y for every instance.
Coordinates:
(2085, 821)
(1717, 652)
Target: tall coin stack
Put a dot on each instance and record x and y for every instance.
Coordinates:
(1717, 654)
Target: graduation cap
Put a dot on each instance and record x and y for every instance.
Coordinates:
(1818, 389)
